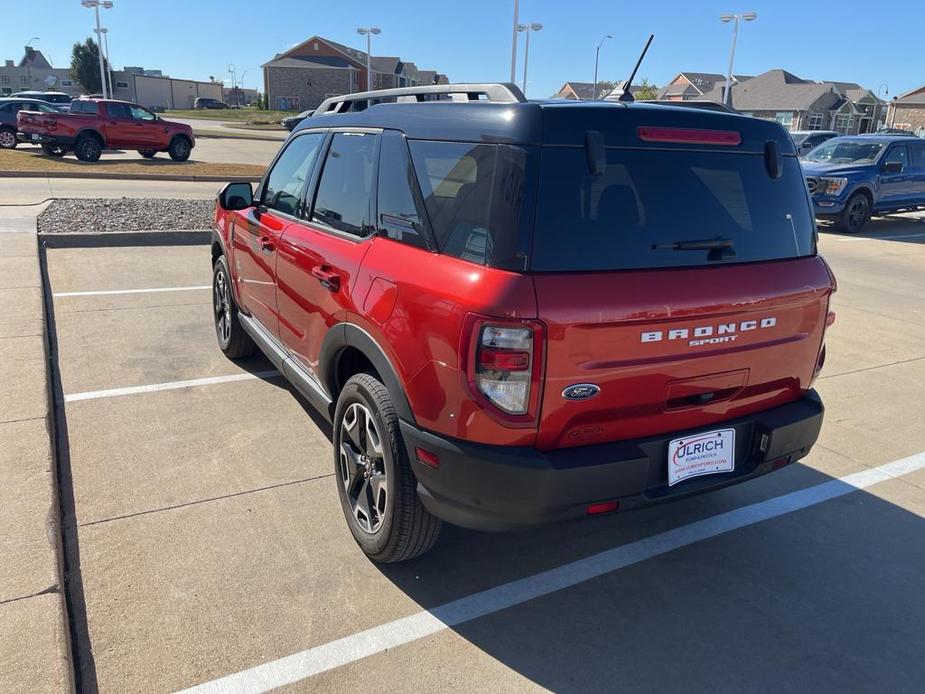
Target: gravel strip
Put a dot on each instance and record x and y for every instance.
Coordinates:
(125, 214)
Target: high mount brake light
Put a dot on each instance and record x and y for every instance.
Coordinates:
(504, 364)
(689, 136)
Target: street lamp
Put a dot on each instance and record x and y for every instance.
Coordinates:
(514, 42)
(96, 5)
(736, 18)
(369, 32)
(597, 55)
(233, 80)
(885, 88)
(527, 28)
(104, 44)
(29, 65)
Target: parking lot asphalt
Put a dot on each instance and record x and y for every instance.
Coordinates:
(214, 150)
(203, 525)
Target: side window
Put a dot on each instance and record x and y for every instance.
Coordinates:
(897, 155)
(286, 182)
(918, 154)
(118, 111)
(344, 191)
(138, 113)
(399, 216)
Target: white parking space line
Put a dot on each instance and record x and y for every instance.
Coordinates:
(328, 656)
(172, 385)
(110, 292)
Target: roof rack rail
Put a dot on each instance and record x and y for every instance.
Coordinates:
(502, 92)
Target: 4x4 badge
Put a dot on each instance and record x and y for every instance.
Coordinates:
(580, 391)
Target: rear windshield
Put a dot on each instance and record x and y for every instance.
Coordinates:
(648, 204)
(83, 107)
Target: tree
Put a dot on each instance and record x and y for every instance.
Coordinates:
(647, 91)
(85, 66)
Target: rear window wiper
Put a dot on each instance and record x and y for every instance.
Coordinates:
(695, 245)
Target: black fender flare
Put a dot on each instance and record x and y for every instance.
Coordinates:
(349, 335)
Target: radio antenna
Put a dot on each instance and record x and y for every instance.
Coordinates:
(627, 95)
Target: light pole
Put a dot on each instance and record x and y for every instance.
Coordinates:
(736, 18)
(233, 81)
(527, 28)
(514, 41)
(369, 32)
(104, 44)
(886, 92)
(96, 5)
(29, 66)
(597, 56)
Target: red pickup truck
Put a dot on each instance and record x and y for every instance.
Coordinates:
(92, 125)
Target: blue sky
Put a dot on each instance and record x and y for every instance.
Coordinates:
(470, 40)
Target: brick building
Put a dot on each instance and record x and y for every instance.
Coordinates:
(907, 111)
(307, 74)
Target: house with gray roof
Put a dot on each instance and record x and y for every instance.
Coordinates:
(800, 104)
(695, 85)
(907, 111)
(305, 75)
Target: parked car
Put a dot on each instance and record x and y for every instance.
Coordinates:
(519, 312)
(292, 121)
(204, 102)
(92, 125)
(49, 97)
(9, 107)
(896, 131)
(808, 140)
(851, 178)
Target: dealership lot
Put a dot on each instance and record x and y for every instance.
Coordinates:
(203, 534)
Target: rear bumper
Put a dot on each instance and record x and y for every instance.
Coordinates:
(499, 488)
(44, 139)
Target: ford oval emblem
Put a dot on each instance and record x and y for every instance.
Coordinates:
(580, 391)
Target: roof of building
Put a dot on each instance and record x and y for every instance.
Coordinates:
(390, 65)
(699, 83)
(777, 90)
(914, 98)
(311, 62)
(34, 58)
(581, 90)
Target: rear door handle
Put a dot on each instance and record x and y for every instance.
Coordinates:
(329, 279)
(266, 243)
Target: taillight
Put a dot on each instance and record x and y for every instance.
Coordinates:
(689, 136)
(504, 364)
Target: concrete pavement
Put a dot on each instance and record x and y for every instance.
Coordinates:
(34, 642)
(211, 539)
(28, 191)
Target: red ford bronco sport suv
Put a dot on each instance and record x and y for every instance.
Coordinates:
(522, 312)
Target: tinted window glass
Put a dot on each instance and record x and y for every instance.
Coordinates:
(343, 199)
(896, 155)
(645, 201)
(918, 154)
(399, 218)
(119, 111)
(139, 113)
(286, 182)
(474, 196)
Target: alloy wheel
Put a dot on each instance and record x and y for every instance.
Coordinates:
(7, 139)
(362, 468)
(857, 213)
(222, 303)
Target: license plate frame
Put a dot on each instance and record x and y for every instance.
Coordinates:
(704, 453)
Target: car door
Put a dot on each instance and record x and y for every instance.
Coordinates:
(257, 230)
(320, 257)
(147, 131)
(917, 172)
(893, 183)
(118, 126)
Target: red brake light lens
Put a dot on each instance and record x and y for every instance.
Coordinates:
(602, 507)
(689, 136)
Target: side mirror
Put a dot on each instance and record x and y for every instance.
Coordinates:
(893, 167)
(236, 196)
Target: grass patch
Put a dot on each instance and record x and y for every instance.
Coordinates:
(34, 160)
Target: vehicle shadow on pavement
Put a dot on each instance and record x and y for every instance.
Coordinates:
(897, 228)
(827, 598)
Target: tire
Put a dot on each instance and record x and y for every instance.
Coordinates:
(180, 148)
(368, 446)
(147, 153)
(855, 215)
(88, 148)
(8, 138)
(54, 150)
(234, 342)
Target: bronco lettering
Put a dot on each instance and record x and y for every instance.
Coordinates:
(705, 331)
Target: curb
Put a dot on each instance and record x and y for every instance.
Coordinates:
(106, 239)
(217, 134)
(128, 176)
